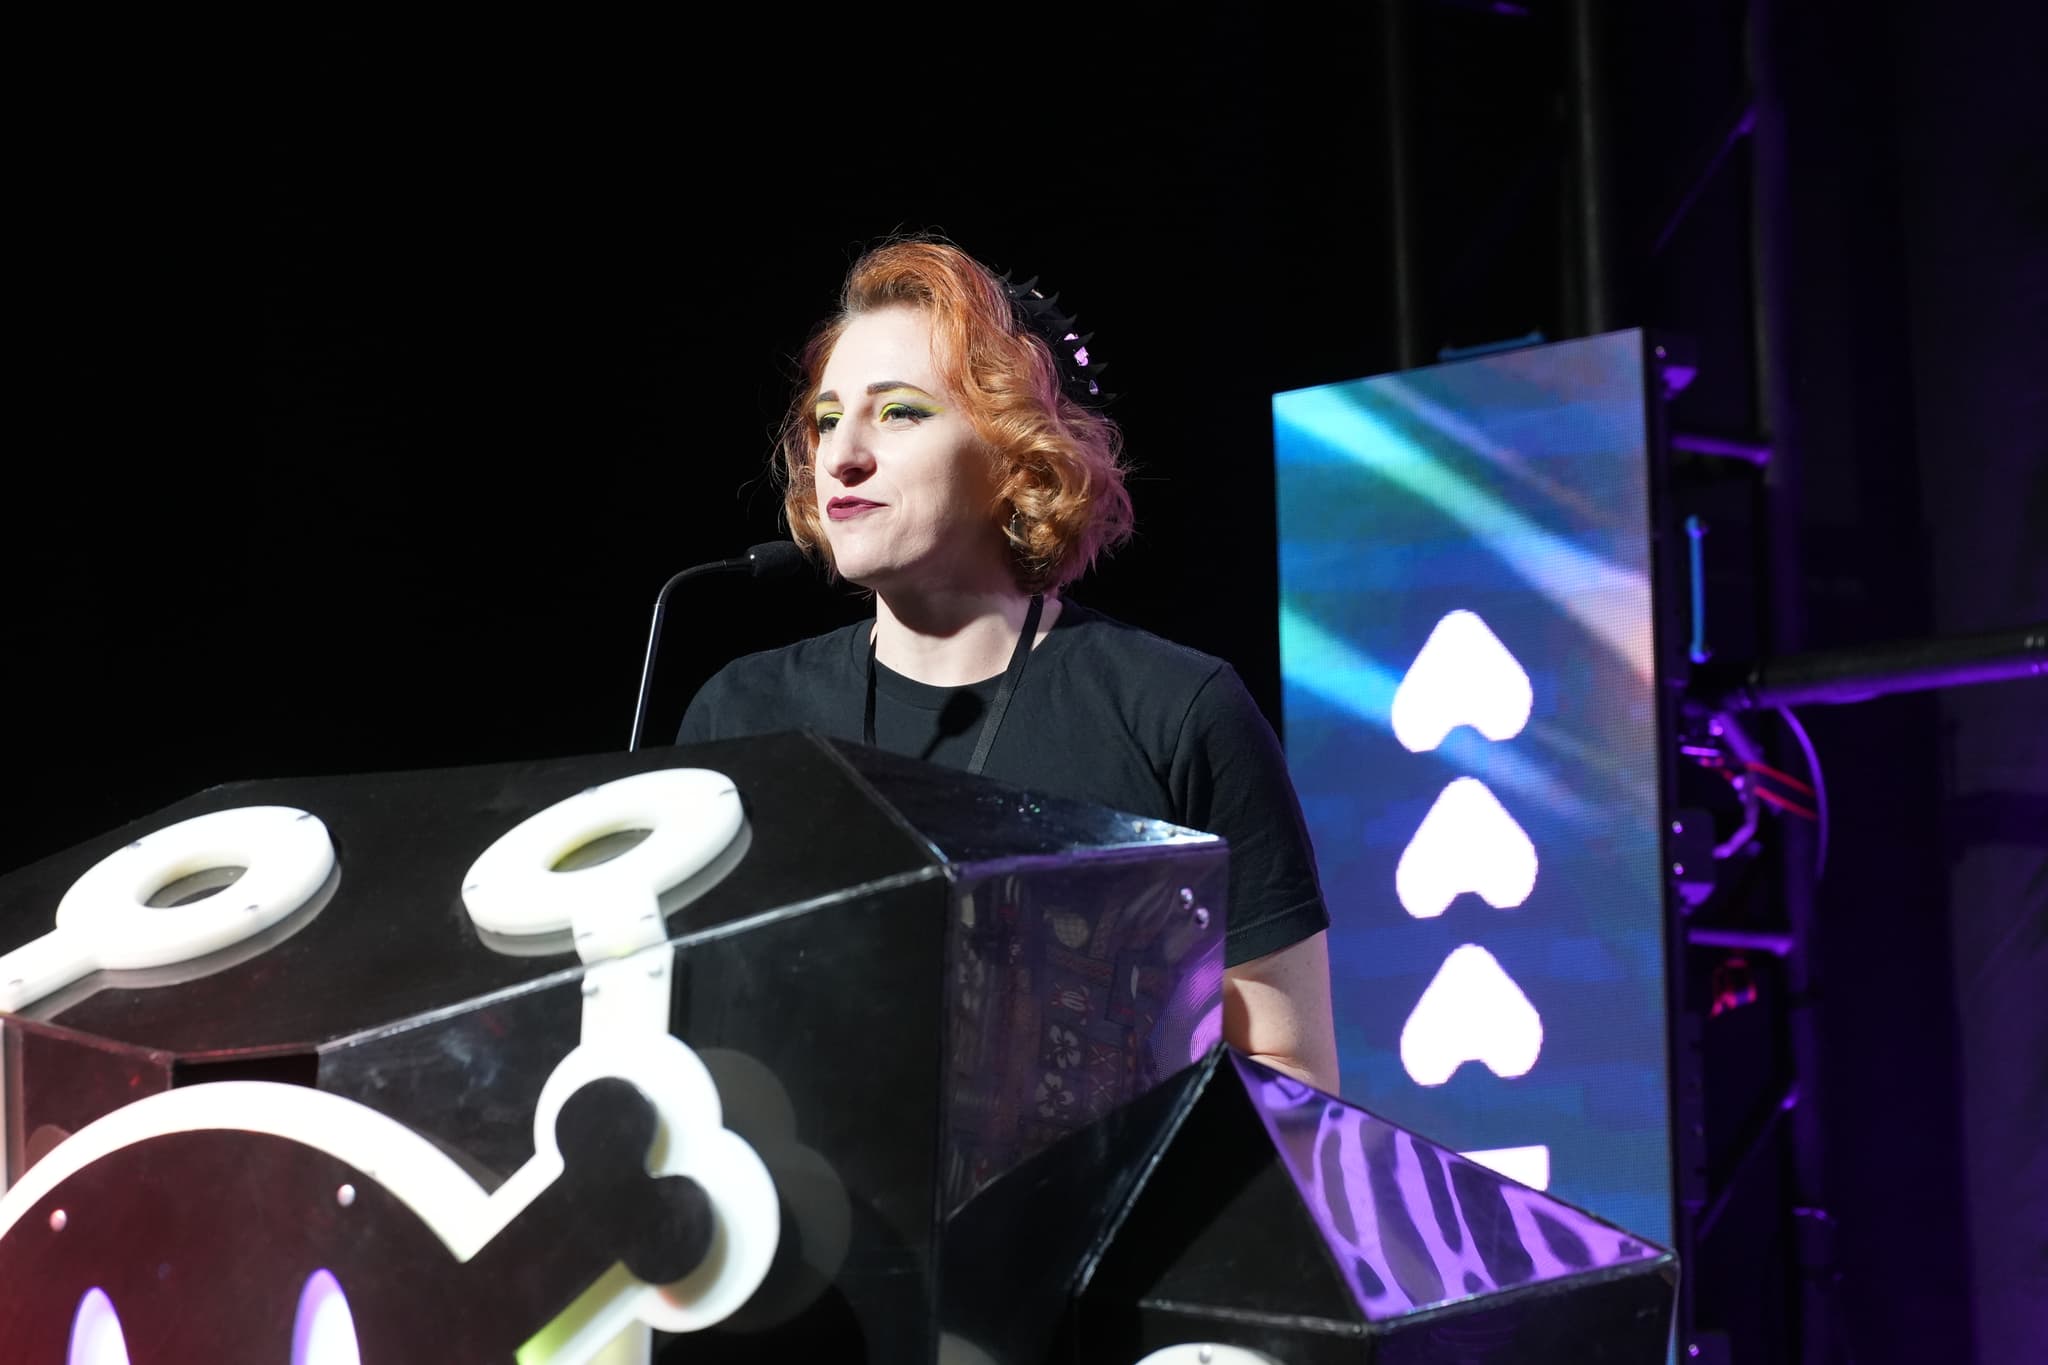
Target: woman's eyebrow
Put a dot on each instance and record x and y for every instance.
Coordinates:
(879, 386)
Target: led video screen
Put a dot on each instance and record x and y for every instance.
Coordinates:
(1471, 721)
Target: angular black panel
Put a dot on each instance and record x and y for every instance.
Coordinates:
(1433, 1257)
(1216, 1227)
(77, 1078)
(394, 942)
(1386, 1202)
(1015, 1253)
(969, 819)
(1059, 1015)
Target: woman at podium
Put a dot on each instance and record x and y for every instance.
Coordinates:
(948, 451)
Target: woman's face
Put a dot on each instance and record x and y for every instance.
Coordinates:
(904, 486)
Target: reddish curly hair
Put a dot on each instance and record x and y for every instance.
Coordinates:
(1058, 465)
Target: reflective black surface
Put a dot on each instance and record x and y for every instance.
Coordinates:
(1073, 986)
(970, 819)
(1413, 1225)
(469, 1078)
(1018, 1253)
(910, 981)
(53, 1082)
(203, 1243)
(394, 940)
(1236, 1206)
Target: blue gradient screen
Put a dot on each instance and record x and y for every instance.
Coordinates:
(1469, 706)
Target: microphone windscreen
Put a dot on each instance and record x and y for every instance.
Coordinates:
(775, 559)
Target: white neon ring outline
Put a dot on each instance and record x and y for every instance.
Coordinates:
(287, 855)
(442, 1195)
(692, 815)
(426, 1179)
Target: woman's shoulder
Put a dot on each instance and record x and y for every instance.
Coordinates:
(802, 665)
(775, 689)
(1173, 697)
(1098, 636)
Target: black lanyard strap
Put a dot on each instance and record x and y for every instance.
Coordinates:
(991, 723)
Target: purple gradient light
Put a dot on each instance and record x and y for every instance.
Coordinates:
(1411, 1225)
(1195, 1010)
(324, 1332)
(1206, 1034)
(96, 1332)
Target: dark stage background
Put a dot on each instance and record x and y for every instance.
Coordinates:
(372, 384)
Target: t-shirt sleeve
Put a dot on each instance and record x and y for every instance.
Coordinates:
(1230, 778)
(708, 716)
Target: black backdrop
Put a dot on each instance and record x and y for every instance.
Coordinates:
(377, 384)
(370, 412)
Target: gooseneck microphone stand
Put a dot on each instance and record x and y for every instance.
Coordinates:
(771, 559)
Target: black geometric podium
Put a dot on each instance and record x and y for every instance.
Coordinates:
(909, 1066)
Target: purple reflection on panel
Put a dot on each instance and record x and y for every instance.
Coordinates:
(1195, 1000)
(324, 1332)
(1207, 1034)
(1411, 1224)
(96, 1337)
(1072, 987)
(1195, 1009)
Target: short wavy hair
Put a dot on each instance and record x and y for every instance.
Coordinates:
(1058, 463)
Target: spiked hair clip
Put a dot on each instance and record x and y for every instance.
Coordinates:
(1080, 374)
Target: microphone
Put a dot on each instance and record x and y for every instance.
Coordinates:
(770, 559)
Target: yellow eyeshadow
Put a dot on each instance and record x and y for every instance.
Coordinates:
(919, 398)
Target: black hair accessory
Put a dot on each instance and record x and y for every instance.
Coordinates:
(1080, 373)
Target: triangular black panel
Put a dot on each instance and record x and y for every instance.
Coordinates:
(1280, 1219)
(1217, 1227)
(1015, 1252)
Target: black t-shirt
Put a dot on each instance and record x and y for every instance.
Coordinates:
(1105, 713)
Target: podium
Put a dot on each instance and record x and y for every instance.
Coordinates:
(771, 1049)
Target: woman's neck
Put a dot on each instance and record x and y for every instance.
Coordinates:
(951, 639)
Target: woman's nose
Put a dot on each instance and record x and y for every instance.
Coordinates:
(844, 454)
